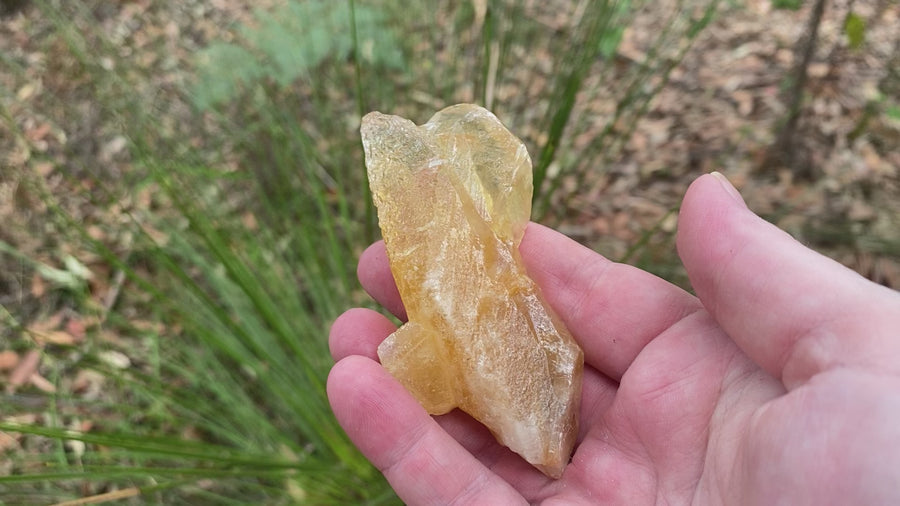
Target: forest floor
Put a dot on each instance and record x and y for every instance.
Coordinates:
(720, 111)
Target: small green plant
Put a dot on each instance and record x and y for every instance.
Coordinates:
(791, 5)
(290, 42)
(893, 112)
(855, 30)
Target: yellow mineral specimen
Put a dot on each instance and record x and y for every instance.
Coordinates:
(453, 199)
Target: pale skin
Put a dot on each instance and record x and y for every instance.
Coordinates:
(779, 383)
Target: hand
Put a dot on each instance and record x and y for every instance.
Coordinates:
(778, 384)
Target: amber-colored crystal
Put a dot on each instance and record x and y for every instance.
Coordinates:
(453, 199)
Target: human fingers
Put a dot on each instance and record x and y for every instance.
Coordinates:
(423, 463)
(375, 276)
(358, 331)
(793, 311)
(598, 394)
(612, 309)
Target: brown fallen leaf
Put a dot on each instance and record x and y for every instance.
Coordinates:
(744, 101)
(249, 221)
(107, 496)
(38, 132)
(8, 360)
(43, 169)
(25, 368)
(50, 323)
(77, 328)
(42, 383)
(38, 286)
(8, 442)
(58, 337)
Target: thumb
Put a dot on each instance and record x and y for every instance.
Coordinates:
(793, 311)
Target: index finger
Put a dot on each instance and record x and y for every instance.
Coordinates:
(612, 309)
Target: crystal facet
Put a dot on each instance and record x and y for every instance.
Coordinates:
(453, 199)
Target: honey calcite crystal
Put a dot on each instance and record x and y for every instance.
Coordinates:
(453, 199)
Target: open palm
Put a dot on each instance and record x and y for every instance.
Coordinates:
(780, 384)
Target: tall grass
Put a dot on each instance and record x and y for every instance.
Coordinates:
(260, 208)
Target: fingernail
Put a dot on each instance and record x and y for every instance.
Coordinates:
(728, 187)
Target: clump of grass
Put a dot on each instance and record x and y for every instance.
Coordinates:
(261, 208)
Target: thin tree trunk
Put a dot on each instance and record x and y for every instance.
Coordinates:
(890, 83)
(783, 151)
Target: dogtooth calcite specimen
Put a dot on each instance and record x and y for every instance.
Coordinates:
(453, 199)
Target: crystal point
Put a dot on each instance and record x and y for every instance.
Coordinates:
(453, 199)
